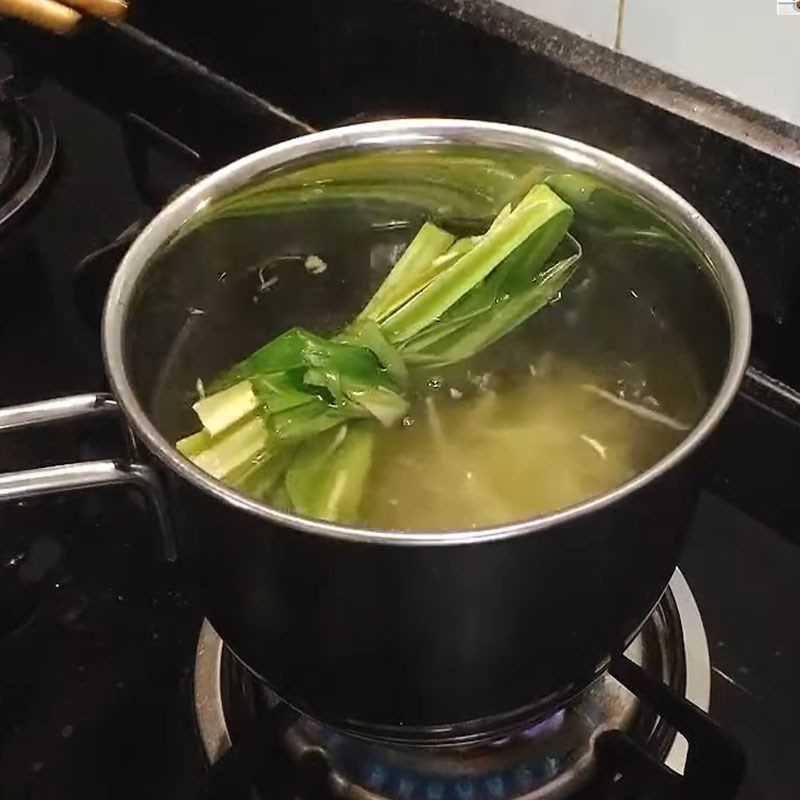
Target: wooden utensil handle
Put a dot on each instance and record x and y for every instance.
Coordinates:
(61, 17)
(46, 14)
(111, 9)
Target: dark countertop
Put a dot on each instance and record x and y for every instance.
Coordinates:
(745, 579)
(715, 111)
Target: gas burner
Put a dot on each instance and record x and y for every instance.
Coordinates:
(27, 150)
(550, 759)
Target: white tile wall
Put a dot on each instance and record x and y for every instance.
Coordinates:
(592, 19)
(740, 48)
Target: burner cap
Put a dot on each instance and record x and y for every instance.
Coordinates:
(27, 149)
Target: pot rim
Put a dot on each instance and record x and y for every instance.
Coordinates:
(421, 132)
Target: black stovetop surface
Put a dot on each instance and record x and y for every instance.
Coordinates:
(96, 635)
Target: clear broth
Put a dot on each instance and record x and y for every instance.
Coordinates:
(640, 320)
(508, 448)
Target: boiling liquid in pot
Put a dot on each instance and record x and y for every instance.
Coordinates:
(589, 392)
(559, 412)
(522, 446)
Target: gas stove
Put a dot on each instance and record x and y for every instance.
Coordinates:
(554, 757)
(111, 683)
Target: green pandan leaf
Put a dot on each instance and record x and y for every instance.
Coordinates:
(414, 270)
(327, 476)
(538, 208)
(294, 423)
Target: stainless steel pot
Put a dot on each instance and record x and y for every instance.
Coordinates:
(423, 636)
